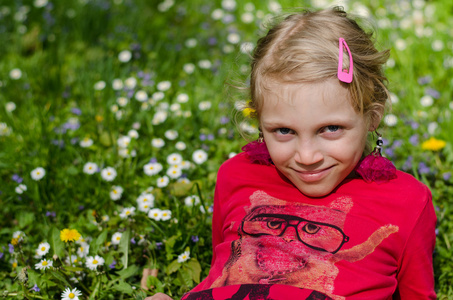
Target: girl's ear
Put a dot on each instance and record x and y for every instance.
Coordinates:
(374, 118)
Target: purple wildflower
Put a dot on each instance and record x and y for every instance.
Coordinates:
(76, 111)
(433, 93)
(1, 255)
(446, 176)
(397, 144)
(210, 137)
(35, 288)
(153, 160)
(224, 120)
(113, 264)
(17, 178)
(51, 214)
(195, 238)
(133, 241)
(424, 80)
(423, 168)
(10, 248)
(81, 207)
(159, 245)
(414, 139)
(202, 137)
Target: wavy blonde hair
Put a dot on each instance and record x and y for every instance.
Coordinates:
(304, 47)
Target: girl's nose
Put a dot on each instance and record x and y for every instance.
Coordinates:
(308, 153)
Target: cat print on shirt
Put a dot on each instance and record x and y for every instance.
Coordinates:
(294, 244)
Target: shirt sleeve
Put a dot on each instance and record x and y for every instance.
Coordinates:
(415, 274)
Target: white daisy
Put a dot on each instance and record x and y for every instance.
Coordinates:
(15, 74)
(217, 14)
(100, 85)
(162, 181)
(125, 56)
(90, 168)
(144, 207)
(182, 98)
(204, 105)
(174, 172)
(175, 107)
(171, 134)
(108, 173)
(155, 214)
(157, 96)
(19, 235)
(426, 101)
(116, 238)
(157, 142)
(74, 260)
(21, 188)
(116, 192)
(133, 133)
(233, 38)
(146, 198)
(43, 249)
(183, 256)
(165, 215)
(10, 106)
(390, 120)
(192, 200)
(189, 68)
(183, 180)
(199, 156)
(117, 84)
(185, 164)
(124, 141)
(93, 262)
(174, 159)
(4, 129)
(159, 117)
(37, 173)
(86, 142)
(204, 64)
(71, 294)
(141, 96)
(180, 146)
(247, 17)
(164, 86)
(127, 212)
(44, 264)
(191, 43)
(152, 168)
(130, 82)
(83, 250)
(122, 101)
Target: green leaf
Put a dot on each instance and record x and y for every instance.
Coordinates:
(169, 246)
(130, 271)
(25, 218)
(123, 287)
(97, 244)
(34, 278)
(56, 245)
(195, 268)
(156, 283)
(186, 276)
(123, 247)
(57, 275)
(173, 266)
(73, 269)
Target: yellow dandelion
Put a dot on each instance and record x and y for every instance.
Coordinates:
(14, 241)
(433, 144)
(248, 112)
(69, 235)
(99, 118)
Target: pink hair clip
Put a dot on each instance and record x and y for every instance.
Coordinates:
(343, 74)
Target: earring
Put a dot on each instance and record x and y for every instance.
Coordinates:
(374, 167)
(257, 151)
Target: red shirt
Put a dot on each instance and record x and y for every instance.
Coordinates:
(362, 241)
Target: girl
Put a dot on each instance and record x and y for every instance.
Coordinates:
(302, 213)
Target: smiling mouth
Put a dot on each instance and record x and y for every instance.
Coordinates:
(313, 176)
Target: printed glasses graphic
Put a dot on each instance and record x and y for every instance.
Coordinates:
(316, 235)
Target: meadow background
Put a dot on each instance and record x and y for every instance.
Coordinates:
(116, 114)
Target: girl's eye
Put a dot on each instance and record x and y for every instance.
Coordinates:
(283, 130)
(332, 128)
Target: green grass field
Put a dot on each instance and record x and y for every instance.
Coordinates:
(129, 107)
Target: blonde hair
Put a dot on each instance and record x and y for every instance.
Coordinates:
(304, 47)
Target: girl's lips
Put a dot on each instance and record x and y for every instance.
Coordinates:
(313, 176)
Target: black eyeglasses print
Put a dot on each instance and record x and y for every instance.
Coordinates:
(316, 235)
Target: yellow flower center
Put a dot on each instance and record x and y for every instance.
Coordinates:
(115, 192)
(108, 173)
(95, 261)
(71, 295)
(44, 263)
(127, 213)
(118, 238)
(43, 248)
(14, 264)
